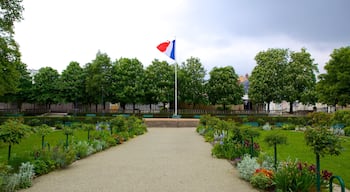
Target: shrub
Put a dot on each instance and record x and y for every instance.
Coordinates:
(288, 126)
(83, 149)
(262, 179)
(247, 167)
(63, 156)
(26, 175)
(298, 176)
(266, 127)
(347, 131)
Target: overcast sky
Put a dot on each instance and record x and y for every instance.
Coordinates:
(218, 32)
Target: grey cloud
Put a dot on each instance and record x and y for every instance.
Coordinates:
(309, 21)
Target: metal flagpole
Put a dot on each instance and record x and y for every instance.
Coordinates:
(175, 89)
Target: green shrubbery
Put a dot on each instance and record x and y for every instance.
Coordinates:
(20, 170)
(232, 142)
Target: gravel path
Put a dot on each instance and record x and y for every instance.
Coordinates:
(162, 160)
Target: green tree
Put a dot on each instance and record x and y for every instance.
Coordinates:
(11, 12)
(98, 80)
(11, 132)
(223, 86)
(159, 83)
(46, 87)
(191, 82)
(323, 142)
(24, 89)
(128, 81)
(43, 130)
(72, 84)
(300, 79)
(266, 82)
(333, 87)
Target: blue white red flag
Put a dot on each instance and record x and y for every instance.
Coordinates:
(168, 48)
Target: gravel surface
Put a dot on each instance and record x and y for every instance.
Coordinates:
(162, 160)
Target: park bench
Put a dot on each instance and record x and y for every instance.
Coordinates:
(148, 116)
(90, 115)
(279, 124)
(197, 116)
(176, 116)
(252, 123)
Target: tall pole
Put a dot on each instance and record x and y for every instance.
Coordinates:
(175, 89)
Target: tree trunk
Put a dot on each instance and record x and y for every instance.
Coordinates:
(9, 153)
(150, 107)
(96, 107)
(268, 107)
(291, 107)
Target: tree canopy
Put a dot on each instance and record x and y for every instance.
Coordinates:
(10, 12)
(223, 86)
(333, 87)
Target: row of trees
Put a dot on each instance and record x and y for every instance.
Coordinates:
(280, 74)
(126, 81)
(283, 75)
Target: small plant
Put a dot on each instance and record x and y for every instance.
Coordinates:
(266, 127)
(247, 167)
(26, 175)
(83, 149)
(262, 179)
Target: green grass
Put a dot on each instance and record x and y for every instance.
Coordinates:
(297, 149)
(33, 142)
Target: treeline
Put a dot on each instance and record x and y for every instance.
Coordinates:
(126, 81)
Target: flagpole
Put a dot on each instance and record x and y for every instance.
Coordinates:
(175, 79)
(175, 89)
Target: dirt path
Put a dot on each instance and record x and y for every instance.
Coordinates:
(162, 160)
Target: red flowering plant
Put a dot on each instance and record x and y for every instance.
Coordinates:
(262, 179)
(298, 176)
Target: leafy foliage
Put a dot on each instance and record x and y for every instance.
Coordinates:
(333, 87)
(191, 82)
(223, 87)
(11, 12)
(323, 142)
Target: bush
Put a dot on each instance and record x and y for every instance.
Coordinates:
(83, 149)
(63, 156)
(262, 179)
(247, 167)
(288, 126)
(26, 175)
(295, 176)
(347, 131)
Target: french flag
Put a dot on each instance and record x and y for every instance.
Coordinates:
(168, 48)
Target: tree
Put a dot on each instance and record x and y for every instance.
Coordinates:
(274, 140)
(46, 86)
(128, 81)
(11, 132)
(333, 87)
(266, 82)
(11, 12)
(99, 80)
(300, 79)
(72, 84)
(223, 87)
(42, 131)
(191, 82)
(24, 89)
(323, 142)
(159, 83)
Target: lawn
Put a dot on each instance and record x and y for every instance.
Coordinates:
(33, 142)
(297, 149)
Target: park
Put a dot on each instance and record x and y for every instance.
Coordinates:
(278, 121)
